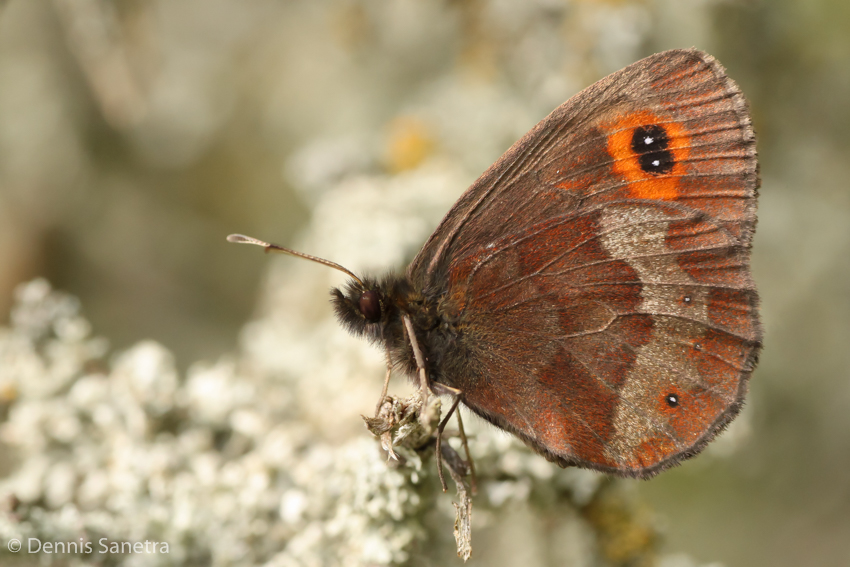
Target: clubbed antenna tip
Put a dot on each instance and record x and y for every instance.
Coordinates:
(269, 247)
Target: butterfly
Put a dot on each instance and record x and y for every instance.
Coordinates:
(591, 292)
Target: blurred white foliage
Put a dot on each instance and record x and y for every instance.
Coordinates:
(217, 465)
(206, 464)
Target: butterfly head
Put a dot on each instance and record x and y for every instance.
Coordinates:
(361, 306)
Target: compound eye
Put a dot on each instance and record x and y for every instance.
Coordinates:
(370, 305)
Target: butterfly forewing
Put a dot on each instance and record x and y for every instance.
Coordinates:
(599, 271)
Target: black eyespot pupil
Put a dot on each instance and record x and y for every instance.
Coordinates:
(370, 305)
(650, 144)
(672, 400)
(687, 299)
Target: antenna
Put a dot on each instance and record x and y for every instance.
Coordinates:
(242, 239)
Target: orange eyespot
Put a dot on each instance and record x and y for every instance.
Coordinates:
(648, 153)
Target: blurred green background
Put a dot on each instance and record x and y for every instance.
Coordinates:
(134, 135)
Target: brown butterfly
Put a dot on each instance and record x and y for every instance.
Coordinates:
(591, 292)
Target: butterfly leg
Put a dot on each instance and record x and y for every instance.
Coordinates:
(440, 429)
(424, 383)
(473, 481)
(386, 385)
(456, 397)
(425, 387)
